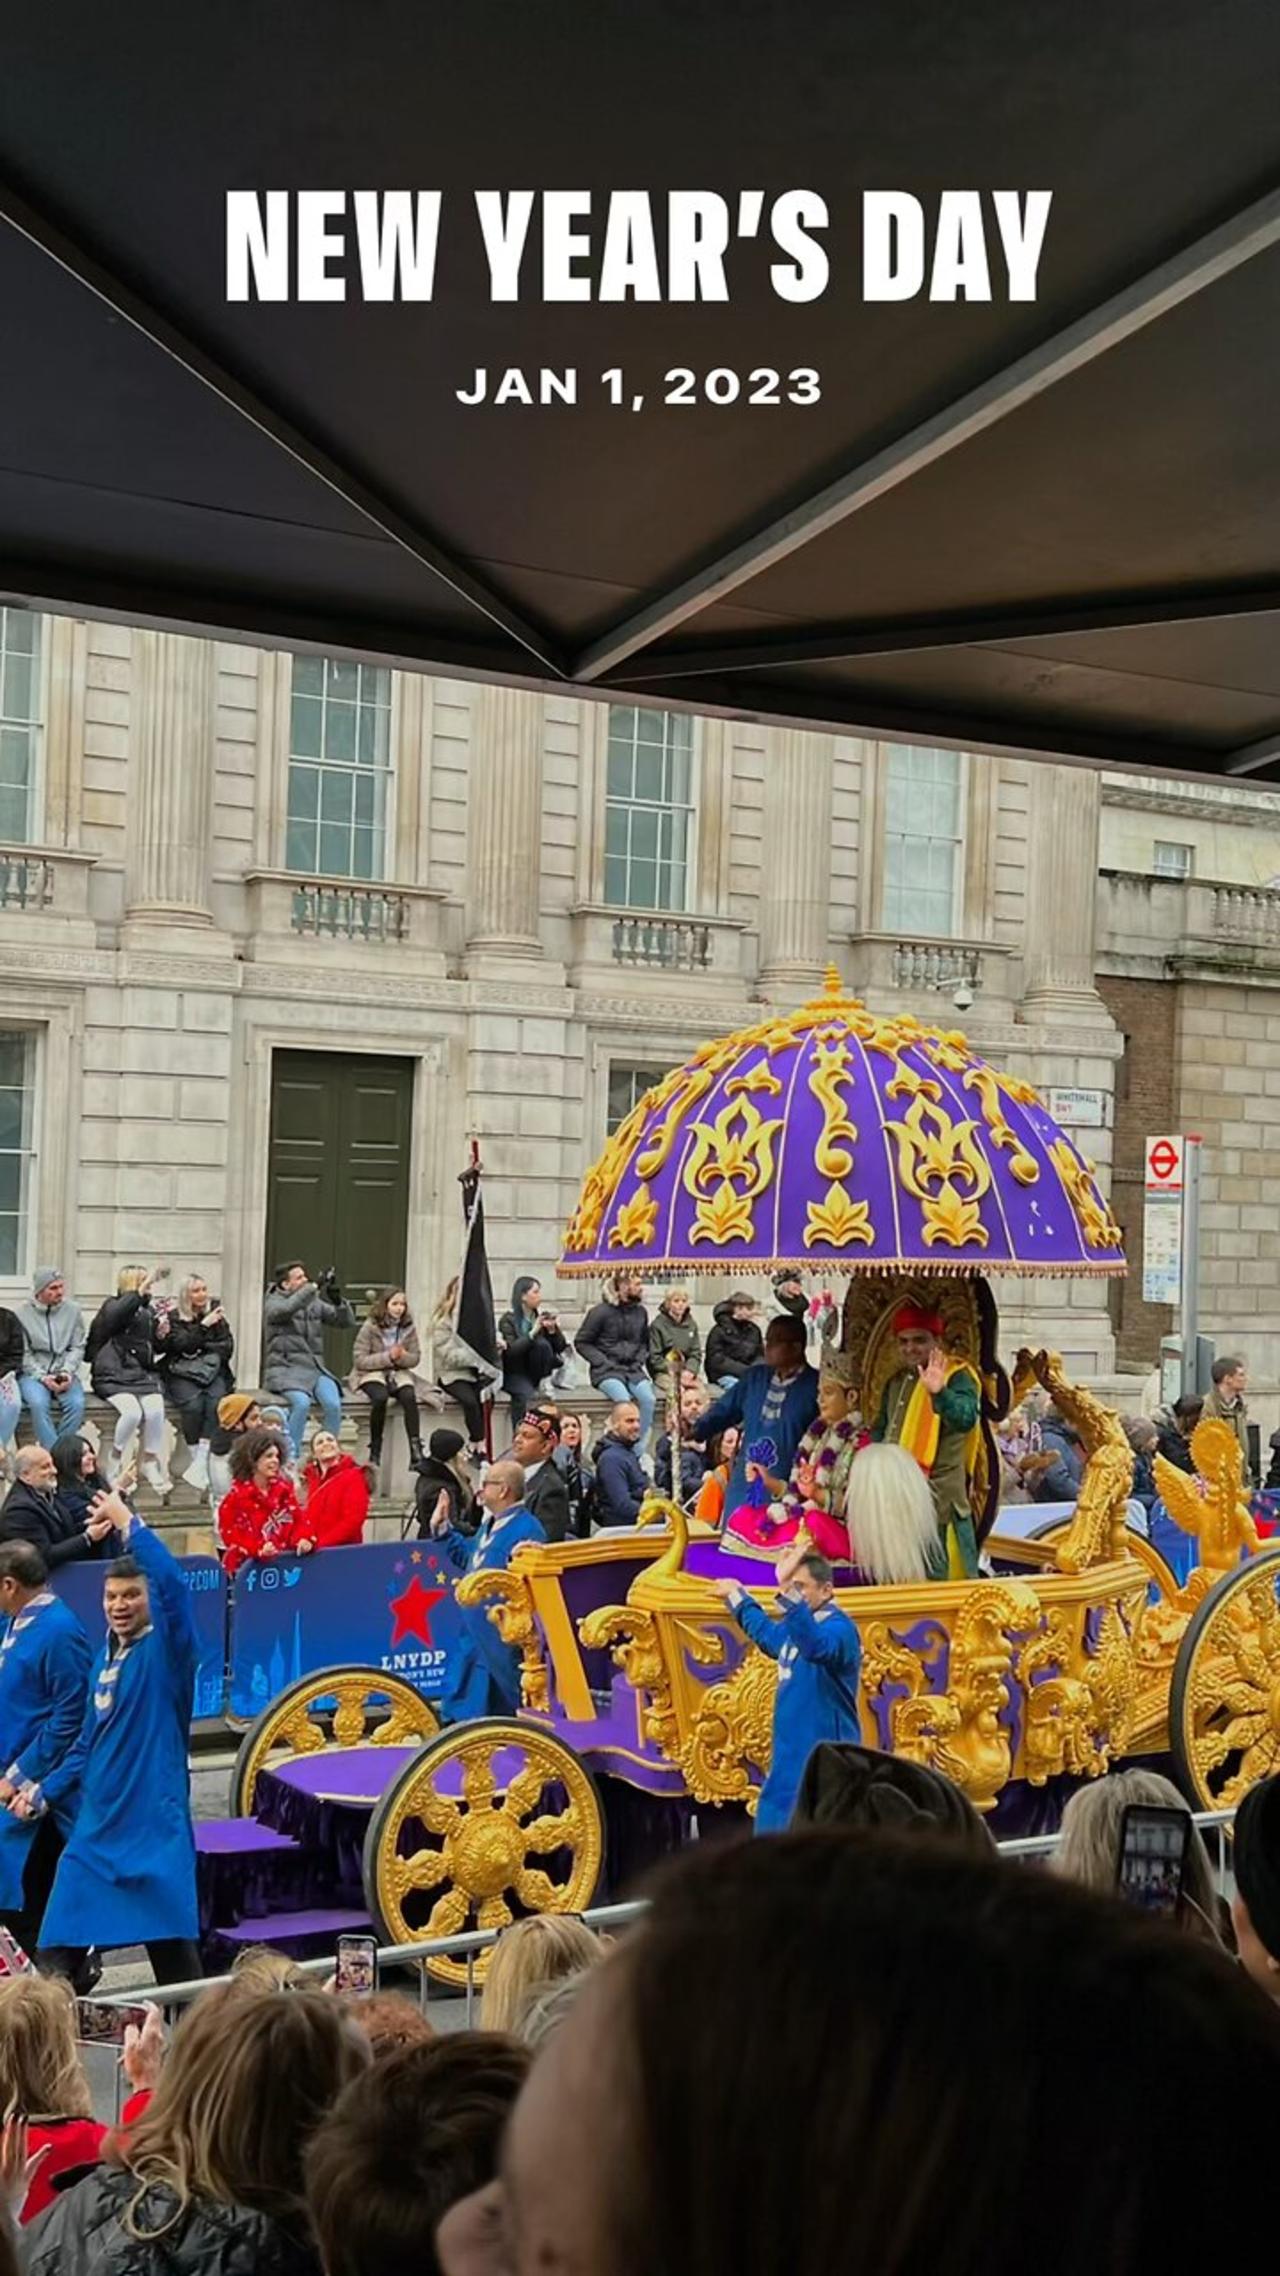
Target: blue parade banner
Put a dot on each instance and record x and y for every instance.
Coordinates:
(382, 1604)
(80, 1586)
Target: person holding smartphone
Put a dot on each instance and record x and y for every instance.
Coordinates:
(196, 1364)
(126, 1338)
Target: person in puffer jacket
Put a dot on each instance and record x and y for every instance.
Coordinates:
(621, 1484)
(614, 1341)
(735, 1342)
(209, 2179)
(126, 1341)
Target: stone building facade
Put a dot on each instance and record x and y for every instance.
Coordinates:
(279, 935)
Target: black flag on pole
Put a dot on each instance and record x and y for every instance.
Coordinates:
(474, 1319)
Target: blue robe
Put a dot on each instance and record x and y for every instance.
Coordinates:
(812, 1649)
(745, 1404)
(482, 1674)
(128, 1873)
(45, 1657)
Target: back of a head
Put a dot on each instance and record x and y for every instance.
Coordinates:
(389, 2020)
(948, 2027)
(1256, 1861)
(249, 2077)
(529, 1956)
(1089, 1850)
(22, 1562)
(403, 2145)
(856, 1786)
(40, 2068)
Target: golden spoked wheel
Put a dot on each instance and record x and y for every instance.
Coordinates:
(334, 1708)
(493, 1820)
(1224, 1709)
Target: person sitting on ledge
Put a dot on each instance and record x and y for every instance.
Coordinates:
(818, 1653)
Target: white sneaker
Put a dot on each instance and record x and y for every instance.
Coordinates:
(157, 1476)
(197, 1475)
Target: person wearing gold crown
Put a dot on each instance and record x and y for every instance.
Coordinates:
(814, 1500)
(932, 1408)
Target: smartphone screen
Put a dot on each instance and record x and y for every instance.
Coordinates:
(357, 1965)
(1153, 1858)
(13, 1960)
(103, 2026)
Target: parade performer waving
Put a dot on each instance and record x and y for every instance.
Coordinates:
(482, 1674)
(818, 1653)
(128, 1872)
(932, 1406)
(45, 1659)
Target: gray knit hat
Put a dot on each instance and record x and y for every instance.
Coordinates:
(44, 1277)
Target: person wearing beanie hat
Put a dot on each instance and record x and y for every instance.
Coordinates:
(443, 1469)
(238, 1413)
(788, 1293)
(53, 1334)
(1255, 1908)
(848, 1785)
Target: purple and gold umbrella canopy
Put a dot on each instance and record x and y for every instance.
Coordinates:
(836, 1140)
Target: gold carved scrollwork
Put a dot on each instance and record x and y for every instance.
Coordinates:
(1095, 1220)
(632, 1637)
(732, 1727)
(506, 1598)
(941, 1164)
(1211, 1505)
(837, 1219)
(487, 1825)
(730, 1166)
(959, 1731)
(1079, 1705)
(1096, 1534)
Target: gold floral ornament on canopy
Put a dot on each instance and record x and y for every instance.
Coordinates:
(832, 1137)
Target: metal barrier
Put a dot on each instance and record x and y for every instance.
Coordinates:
(170, 1997)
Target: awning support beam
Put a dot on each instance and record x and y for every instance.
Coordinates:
(173, 341)
(1169, 285)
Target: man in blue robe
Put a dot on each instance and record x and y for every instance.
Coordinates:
(773, 1404)
(128, 1873)
(818, 1653)
(45, 1659)
(482, 1674)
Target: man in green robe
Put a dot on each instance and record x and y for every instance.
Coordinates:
(931, 1406)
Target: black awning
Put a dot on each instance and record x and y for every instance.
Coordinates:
(1045, 525)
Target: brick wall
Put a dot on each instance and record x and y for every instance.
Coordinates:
(1145, 1011)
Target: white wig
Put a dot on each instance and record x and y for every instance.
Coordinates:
(893, 1528)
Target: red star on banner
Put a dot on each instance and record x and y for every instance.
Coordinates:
(413, 1610)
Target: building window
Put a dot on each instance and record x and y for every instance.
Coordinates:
(19, 724)
(923, 842)
(648, 826)
(1172, 859)
(627, 1086)
(17, 1151)
(339, 768)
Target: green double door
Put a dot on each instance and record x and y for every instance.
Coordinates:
(338, 1175)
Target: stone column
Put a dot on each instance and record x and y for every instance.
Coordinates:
(1062, 895)
(504, 824)
(795, 885)
(170, 808)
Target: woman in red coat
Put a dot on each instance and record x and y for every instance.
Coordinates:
(336, 1494)
(260, 1517)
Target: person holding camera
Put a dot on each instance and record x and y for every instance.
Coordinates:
(532, 1345)
(127, 1336)
(294, 1367)
(196, 1363)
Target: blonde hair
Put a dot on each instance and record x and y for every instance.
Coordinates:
(893, 1526)
(527, 1959)
(249, 2077)
(40, 2068)
(193, 1280)
(445, 1304)
(1089, 1849)
(129, 1279)
(259, 1967)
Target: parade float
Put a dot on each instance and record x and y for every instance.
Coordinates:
(876, 1153)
